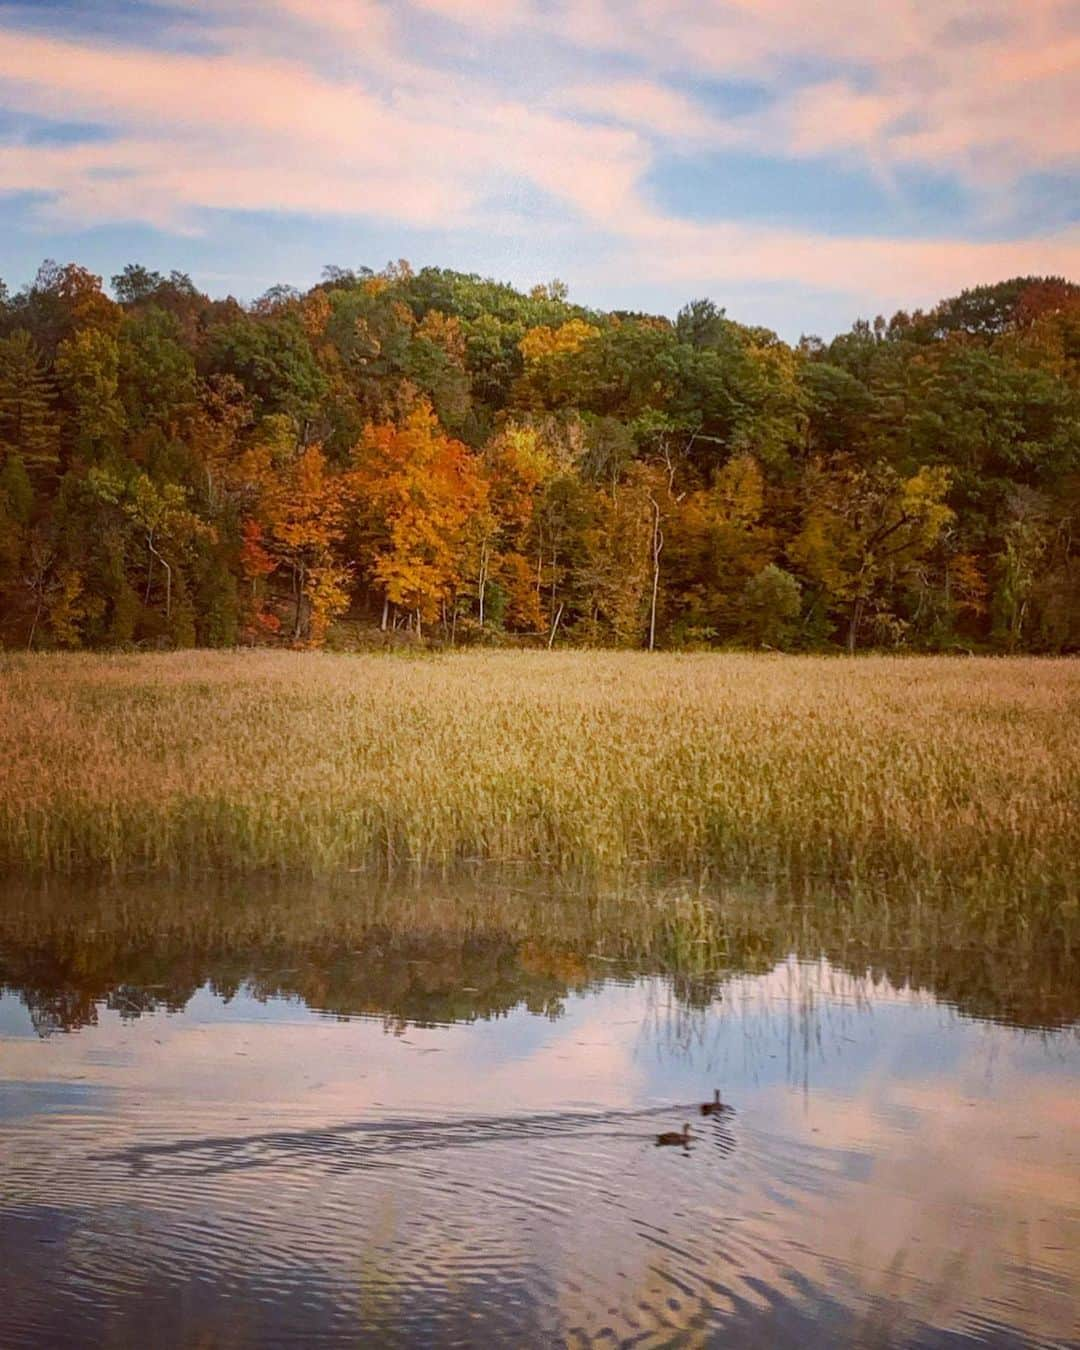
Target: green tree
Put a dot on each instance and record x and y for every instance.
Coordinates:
(273, 360)
(156, 372)
(88, 369)
(772, 601)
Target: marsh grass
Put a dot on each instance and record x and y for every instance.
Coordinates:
(919, 774)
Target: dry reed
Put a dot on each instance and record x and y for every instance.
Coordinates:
(920, 772)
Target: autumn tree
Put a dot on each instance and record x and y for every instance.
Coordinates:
(414, 492)
(300, 521)
(624, 541)
(862, 528)
(439, 445)
(517, 463)
(719, 539)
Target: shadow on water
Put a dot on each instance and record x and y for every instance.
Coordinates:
(282, 1113)
(388, 1143)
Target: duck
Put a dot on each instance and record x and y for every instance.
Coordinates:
(674, 1137)
(714, 1107)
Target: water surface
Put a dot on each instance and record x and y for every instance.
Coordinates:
(298, 1119)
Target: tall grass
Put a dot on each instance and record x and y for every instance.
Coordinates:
(914, 772)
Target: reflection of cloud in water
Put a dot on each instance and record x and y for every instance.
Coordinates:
(950, 1200)
(502, 1177)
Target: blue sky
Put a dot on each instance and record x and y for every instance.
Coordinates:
(801, 164)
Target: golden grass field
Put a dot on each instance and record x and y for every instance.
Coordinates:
(913, 772)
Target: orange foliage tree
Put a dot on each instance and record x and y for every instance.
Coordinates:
(298, 522)
(414, 494)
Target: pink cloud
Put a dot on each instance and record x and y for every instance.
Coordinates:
(885, 271)
(645, 104)
(222, 131)
(829, 116)
(479, 13)
(257, 123)
(987, 94)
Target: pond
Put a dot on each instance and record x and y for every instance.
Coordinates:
(268, 1115)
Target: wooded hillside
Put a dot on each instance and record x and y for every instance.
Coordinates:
(442, 453)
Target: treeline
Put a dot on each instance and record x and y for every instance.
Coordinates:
(440, 454)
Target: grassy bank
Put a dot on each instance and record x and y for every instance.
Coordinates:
(913, 772)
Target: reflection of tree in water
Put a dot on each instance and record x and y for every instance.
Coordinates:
(417, 958)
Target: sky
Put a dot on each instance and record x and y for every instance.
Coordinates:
(801, 163)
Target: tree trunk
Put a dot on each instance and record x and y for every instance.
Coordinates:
(33, 626)
(811, 609)
(1021, 615)
(657, 546)
(853, 626)
(385, 612)
(168, 579)
(298, 618)
(481, 585)
(950, 626)
(540, 568)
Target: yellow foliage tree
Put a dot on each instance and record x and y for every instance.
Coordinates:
(862, 526)
(542, 342)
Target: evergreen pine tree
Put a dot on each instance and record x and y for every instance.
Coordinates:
(28, 424)
(16, 491)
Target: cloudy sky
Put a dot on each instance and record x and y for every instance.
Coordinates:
(802, 163)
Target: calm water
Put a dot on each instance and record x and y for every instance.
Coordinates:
(318, 1122)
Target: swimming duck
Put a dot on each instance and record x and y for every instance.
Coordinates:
(674, 1136)
(714, 1107)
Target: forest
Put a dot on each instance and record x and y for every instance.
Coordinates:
(430, 456)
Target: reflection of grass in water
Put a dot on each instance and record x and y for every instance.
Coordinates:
(378, 1297)
(474, 949)
(851, 1307)
(927, 772)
